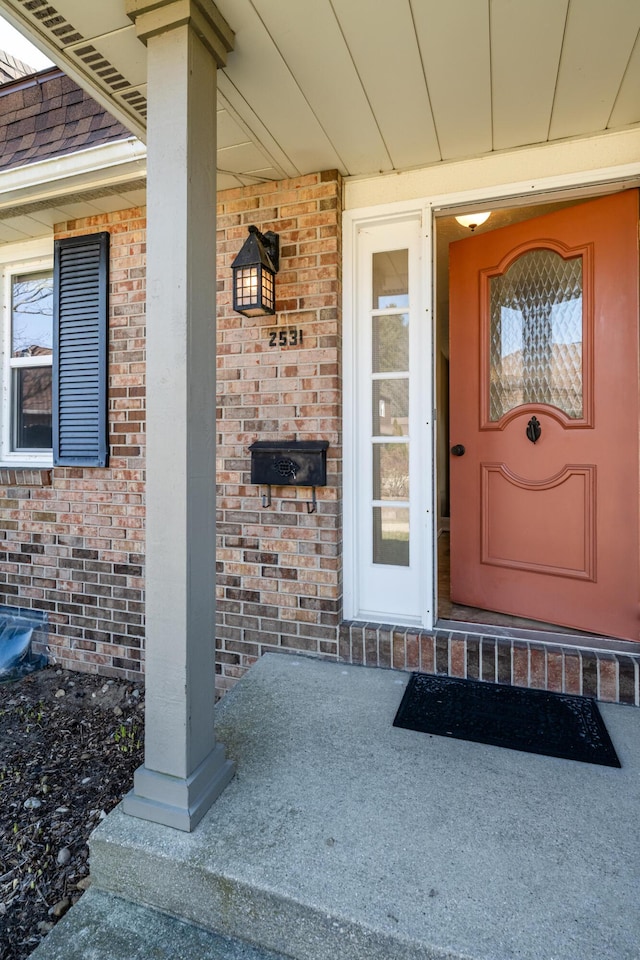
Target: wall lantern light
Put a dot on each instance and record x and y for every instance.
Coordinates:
(473, 220)
(254, 274)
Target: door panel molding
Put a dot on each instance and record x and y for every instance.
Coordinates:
(575, 505)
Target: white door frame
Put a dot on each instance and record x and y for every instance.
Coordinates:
(559, 187)
(407, 220)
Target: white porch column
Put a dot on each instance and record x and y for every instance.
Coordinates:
(184, 769)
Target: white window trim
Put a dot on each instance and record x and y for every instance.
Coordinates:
(355, 606)
(33, 256)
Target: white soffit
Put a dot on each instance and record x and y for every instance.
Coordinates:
(39, 221)
(369, 88)
(599, 41)
(454, 41)
(526, 45)
(391, 29)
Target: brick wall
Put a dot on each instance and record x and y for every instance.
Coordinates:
(279, 568)
(72, 539)
(604, 674)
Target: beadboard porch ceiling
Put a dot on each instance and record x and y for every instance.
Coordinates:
(373, 87)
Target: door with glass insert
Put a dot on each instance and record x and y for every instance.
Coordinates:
(544, 418)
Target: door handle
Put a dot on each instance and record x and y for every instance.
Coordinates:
(458, 450)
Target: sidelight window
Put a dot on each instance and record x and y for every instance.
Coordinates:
(390, 407)
(387, 378)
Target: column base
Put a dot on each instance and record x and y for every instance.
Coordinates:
(177, 802)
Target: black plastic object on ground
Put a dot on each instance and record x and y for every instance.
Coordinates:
(535, 721)
(19, 628)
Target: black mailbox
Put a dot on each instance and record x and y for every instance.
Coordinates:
(299, 463)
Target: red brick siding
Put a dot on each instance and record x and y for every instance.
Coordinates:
(279, 568)
(521, 663)
(72, 539)
(76, 547)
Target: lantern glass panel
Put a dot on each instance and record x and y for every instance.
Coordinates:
(268, 300)
(246, 286)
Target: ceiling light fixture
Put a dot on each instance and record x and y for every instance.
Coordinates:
(473, 220)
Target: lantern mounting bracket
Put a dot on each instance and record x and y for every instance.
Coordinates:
(271, 243)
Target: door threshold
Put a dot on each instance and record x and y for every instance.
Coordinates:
(585, 640)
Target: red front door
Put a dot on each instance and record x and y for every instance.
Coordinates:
(544, 401)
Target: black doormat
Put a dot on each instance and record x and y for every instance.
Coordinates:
(553, 724)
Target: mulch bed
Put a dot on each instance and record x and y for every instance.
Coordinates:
(69, 744)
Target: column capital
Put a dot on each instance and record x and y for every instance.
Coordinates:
(153, 17)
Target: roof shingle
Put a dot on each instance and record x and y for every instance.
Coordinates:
(48, 115)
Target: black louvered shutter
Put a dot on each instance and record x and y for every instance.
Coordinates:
(81, 323)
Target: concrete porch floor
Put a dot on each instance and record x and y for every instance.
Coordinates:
(343, 837)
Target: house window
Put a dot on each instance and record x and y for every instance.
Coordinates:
(30, 361)
(27, 350)
(54, 339)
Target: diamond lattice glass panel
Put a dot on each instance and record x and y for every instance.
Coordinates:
(391, 471)
(390, 343)
(390, 279)
(536, 334)
(390, 408)
(391, 535)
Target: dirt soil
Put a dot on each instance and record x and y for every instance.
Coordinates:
(69, 744)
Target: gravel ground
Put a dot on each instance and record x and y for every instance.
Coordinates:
(69, 744)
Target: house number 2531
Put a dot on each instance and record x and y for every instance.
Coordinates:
(286, 337)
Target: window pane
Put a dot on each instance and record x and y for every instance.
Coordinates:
(391, 535)
(536, 334)
(390, 408)
(390, 347)
(391, 471)
(32, 315)
(390, 279)
(32, 414)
